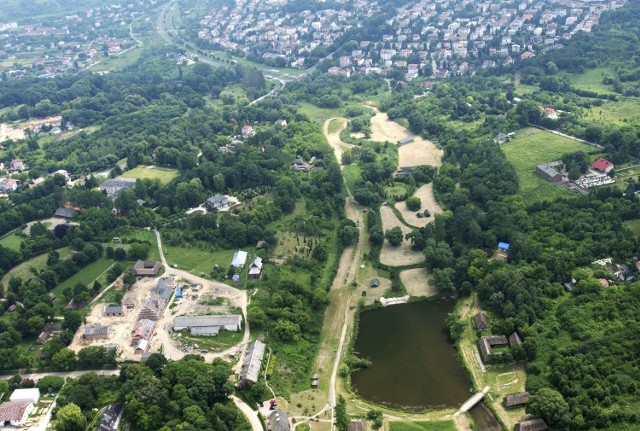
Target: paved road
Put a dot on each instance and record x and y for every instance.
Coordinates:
(252, 415)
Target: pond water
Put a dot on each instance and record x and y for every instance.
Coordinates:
(483, 418)
(414, 366)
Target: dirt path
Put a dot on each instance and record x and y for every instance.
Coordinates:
(333, 139)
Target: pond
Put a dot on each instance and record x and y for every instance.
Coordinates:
(414, 366)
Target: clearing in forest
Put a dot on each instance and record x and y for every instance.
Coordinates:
(416, 281)
(428, 200)
(165, 175)
(403, 254)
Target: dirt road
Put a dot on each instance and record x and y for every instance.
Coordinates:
(333, 139)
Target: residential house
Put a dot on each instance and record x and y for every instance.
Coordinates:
(16, 165)
(145, 268)
(239, 259)
(255, 269)
(15, 413)
(250, 370)
(602, 165)
(482, 324)
(501, 138)
(532, 425)
(278, 421)
(247, 130)
(115, 310)
(95, 332)
(516, 400)
(8, 185)
(217, 202)
(110, 419)
(65, 213)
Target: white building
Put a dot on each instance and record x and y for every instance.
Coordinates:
(239, 259)
(31, 394)
(15, 413)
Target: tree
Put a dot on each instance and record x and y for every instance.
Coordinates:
(348, 233)
(65, 360)
(394, 236)
(550, 405)
(129, 279)
(49, 384)
(92, 357)
(70, 418)
(138, 250)
(414, 203)
(343, 420)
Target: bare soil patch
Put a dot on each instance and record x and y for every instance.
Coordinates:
(425, 193)
(418, 152)
(416, 281)
(401, 255)
(16, 130)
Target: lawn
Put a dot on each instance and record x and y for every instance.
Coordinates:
(223, 340)
(12, 241)
(197, 261)
(165, 175)
(143, 236)
(38, 263)
(532, 147)
(523, 89)
(616, 112)
(591, 80)
(422, 426)
(85, 276)
(351, 175)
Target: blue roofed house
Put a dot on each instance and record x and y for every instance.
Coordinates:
(504, 246)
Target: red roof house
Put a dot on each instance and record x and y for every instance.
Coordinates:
(602, 165)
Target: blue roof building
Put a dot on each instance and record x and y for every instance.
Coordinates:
(504, 246)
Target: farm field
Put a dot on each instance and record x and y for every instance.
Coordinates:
(532, 147)
(422, 426)
(624, 110)
(165, 175)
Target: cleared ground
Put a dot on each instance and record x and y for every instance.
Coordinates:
(15, 131)
(401, 255)
(165, 175)
(418, 152)
(51, 223)
(532, 147)
(425, 193)
(416, 281)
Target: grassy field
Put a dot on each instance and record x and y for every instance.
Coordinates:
(142, 235)
(85, 276)
(223, 340)
(165, 175)
(12, 241)
(319, 114)
(532, 147)
(624, 110)
(335, 125)
(197, 261)
(634, 225)
(523, 89)
(422, 426)
(351, 175)
(591, 80)
(38, 263)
